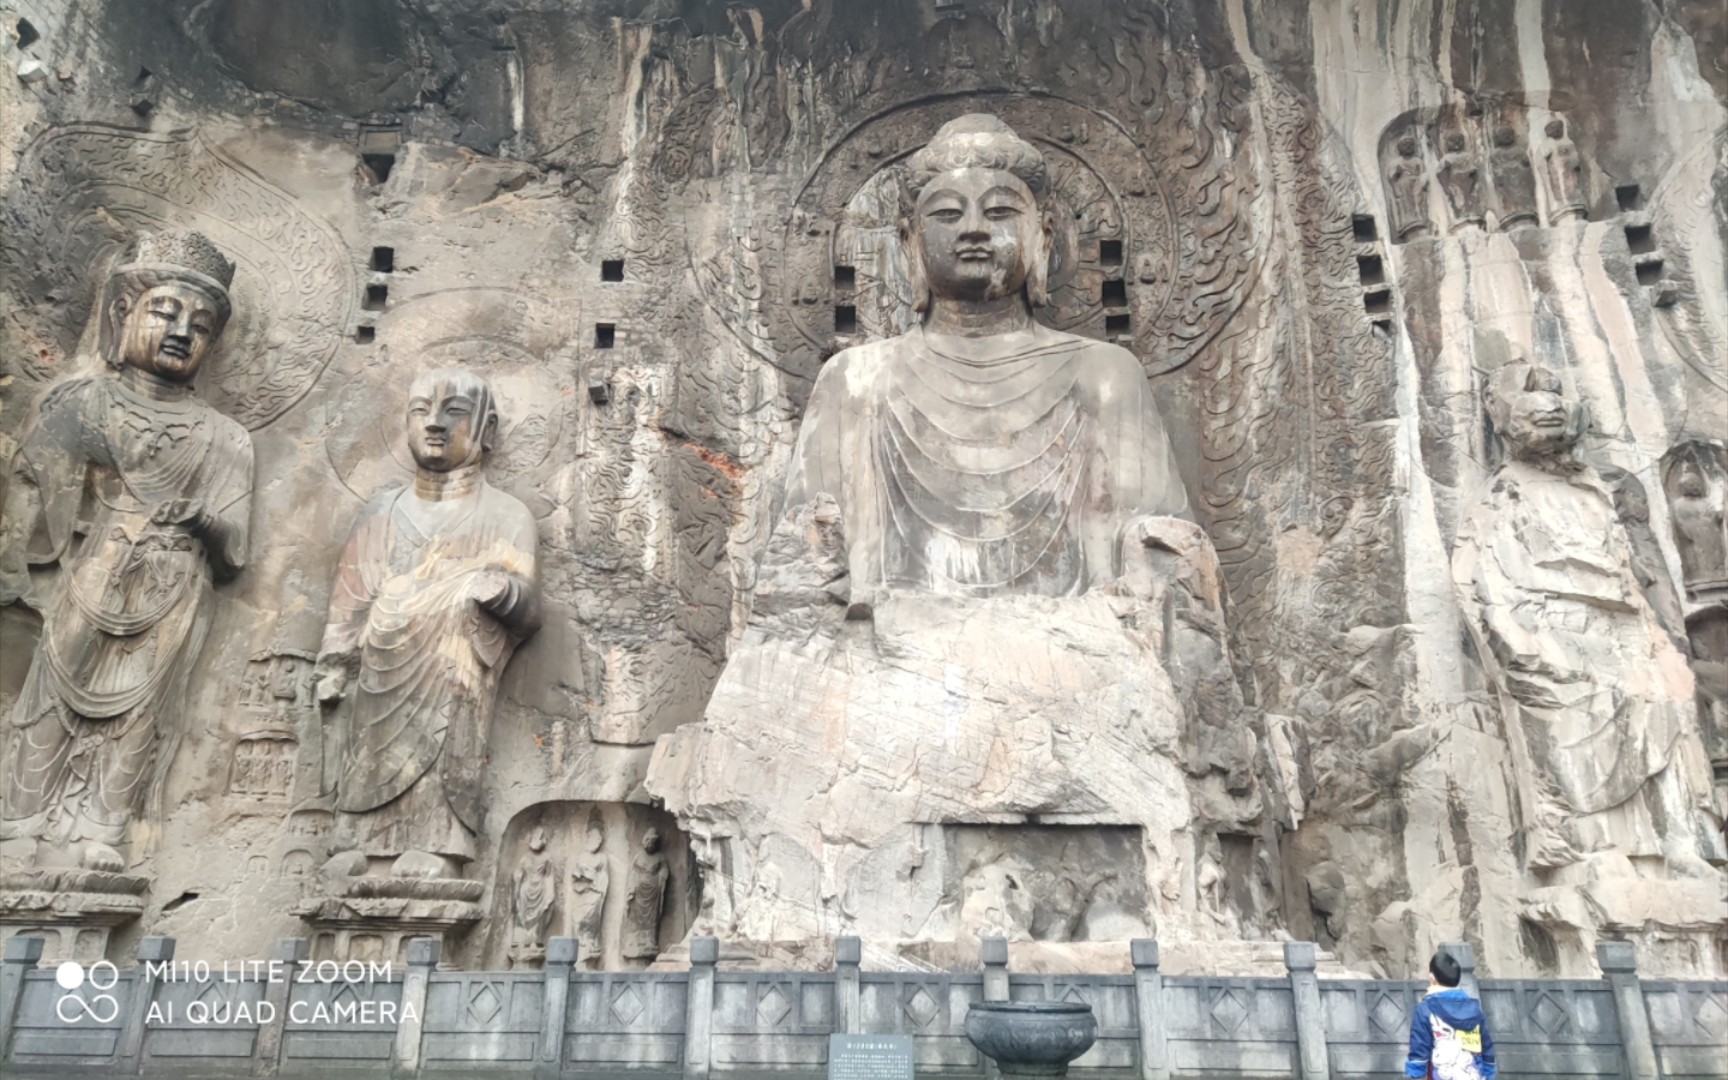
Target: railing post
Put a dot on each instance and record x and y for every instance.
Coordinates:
(699, 1005)
(848, 1005)
(22, 956)
(1466, 957)
(1149, 1009)
(561, 953)
(423, 955)
(994, 952)
(284, 959)
(1619, 963)
(151, 950)
(1299, 961)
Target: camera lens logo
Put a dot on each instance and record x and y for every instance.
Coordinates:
(74, 1005)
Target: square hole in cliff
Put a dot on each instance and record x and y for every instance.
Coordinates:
(365, 335)
(376, 167)
(1362, 227)
(1110, 252)
(377, 297)
(1378, 301)
(27, 35)
(605, 335)
(1116, 326)
(612, 270)
(1629, 196)
(383, 260)
(845, 319)
(1641, 239)
(1115, 293)
(845, 278)
(1649, 271)
(1370, 269)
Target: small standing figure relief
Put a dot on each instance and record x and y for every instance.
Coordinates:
(1565, 171)
(1461, 180)
(533, 894)
(1409, 179)
(1514, 179)
(647, 899)
(590, 878)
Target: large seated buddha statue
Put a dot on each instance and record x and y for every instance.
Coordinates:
(984, 687)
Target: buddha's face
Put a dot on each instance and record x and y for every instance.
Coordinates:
(1692, 485)
(169, 330)
(1540, 421)
(979, 231)
(443, 426)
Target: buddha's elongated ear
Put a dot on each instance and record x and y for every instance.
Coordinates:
(915, 266)
(1038, 274)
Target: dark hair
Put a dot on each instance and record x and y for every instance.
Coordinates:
(1445, 969)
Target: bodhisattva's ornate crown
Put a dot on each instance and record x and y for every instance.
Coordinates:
(181, 248)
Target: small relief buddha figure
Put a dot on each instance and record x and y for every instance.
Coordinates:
(1408, 177)
(533, 897)
(1564, 172)
(1461, 180)
(1514, 179)
(436, 587)
(140, 494)
(1599, 700)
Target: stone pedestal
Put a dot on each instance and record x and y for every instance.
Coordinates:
(1679, 928)
(372, 918)
(73, 911)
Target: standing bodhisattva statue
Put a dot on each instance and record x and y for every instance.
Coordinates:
(438, 584)
(1598, 699)
(140, 492)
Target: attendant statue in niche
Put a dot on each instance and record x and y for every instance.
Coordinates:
(590, 879)
(1600, 713)
(1409, 179)
(1701, 535)
(1564, 173)
(140, 493)
(533, 896)
(646, 900)
(1514, 179)
(436, 587)
(1461, 179)
(981, 515)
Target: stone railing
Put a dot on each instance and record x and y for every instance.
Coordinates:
(160, 1019)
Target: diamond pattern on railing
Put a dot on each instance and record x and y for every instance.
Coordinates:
(772, 1006)
(1549, 1015)
(921, 1008)
(1712, 1014)
(1387, 1014)
(1228, 1009)
(626, 1005)
(484, 1003)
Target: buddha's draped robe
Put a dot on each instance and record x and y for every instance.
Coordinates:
(429, 663)
(98, 717)
(1013, 472)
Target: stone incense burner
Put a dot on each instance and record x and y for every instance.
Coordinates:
(1031, 1038)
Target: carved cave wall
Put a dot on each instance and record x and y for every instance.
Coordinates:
(649, 223)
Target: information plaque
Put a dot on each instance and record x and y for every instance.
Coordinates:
(869, 1057)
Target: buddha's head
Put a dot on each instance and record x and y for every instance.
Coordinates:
(452, 422)
(1691, 481)
(166, 304)
(537, 839)
(1530, 410)
(978, 228)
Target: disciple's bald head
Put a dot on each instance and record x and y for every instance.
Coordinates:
(452, 421)
(978, 229)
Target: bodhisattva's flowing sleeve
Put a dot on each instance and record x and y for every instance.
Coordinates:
(39, 509)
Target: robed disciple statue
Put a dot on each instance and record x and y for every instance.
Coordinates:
(1598, 699)
(437, 585)
(140, 494)
(983, 525)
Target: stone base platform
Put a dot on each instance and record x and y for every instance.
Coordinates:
(373, 917)
(73, 911)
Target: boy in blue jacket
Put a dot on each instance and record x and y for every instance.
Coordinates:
(1448, 1035)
